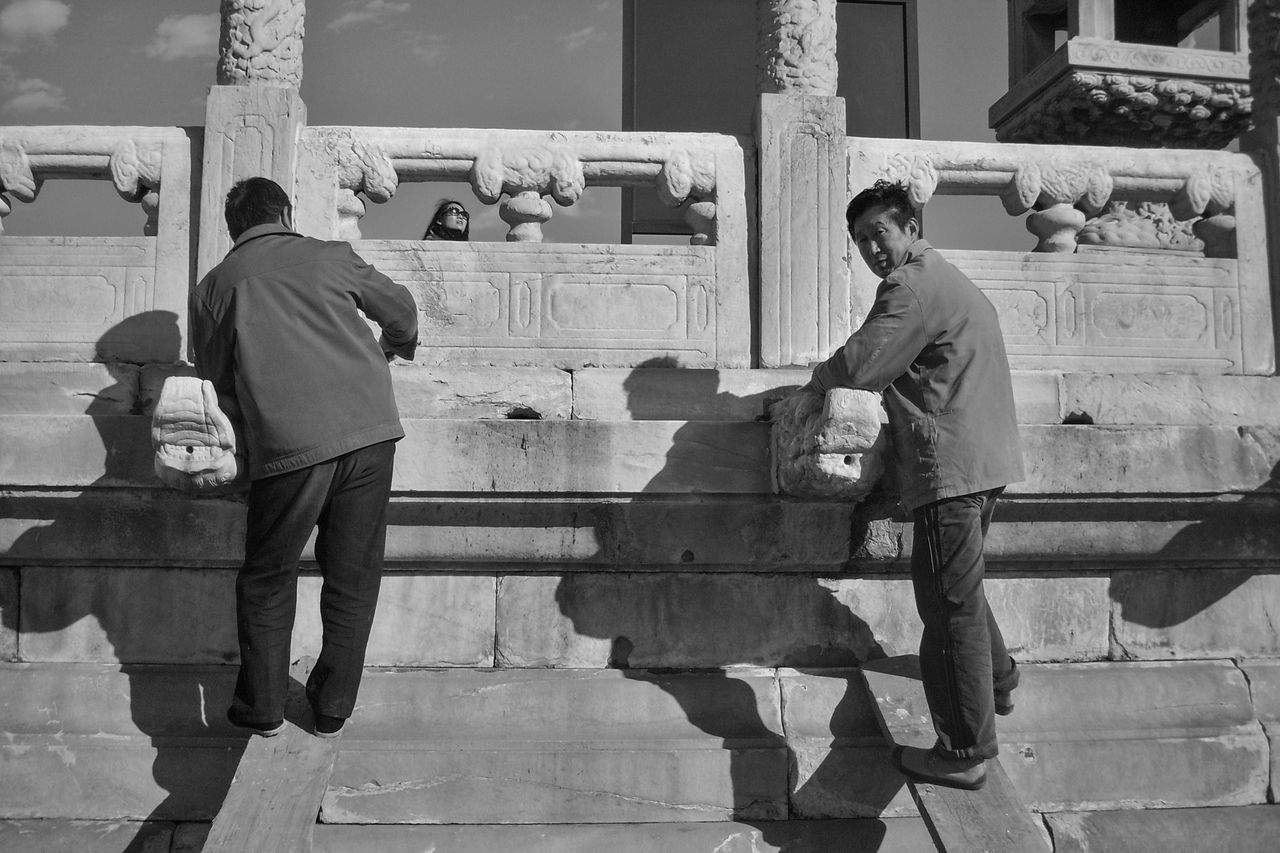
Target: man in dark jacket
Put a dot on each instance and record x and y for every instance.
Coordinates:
(276, 327)
(932, 344)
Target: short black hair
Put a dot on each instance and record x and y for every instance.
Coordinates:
(892, 195)
(254, 201)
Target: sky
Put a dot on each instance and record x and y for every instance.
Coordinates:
(549, 64)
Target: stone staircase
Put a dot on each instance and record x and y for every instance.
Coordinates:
(600, 627)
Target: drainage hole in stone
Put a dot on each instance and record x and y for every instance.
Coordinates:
(686, 557)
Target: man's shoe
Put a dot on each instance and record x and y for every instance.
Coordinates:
(1004, 705)
(264, 729)
(329, 727)
(925, 765)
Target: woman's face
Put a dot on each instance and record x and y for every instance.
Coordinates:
(454, 218)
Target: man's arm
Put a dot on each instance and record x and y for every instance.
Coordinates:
(881, 349)
(391, 306)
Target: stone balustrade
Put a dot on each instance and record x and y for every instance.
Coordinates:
(106, 298)
(527, 302)
(1086, 299)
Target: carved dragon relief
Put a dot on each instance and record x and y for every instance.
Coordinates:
(261, 42)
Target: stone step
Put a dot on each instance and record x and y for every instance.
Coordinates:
(564, 457)
(503, 746)
(1043, 397)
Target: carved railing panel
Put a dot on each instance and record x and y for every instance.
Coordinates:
(1087, 302)
(97, 298)
(530, 302)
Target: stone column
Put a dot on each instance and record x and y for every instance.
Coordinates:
(254, 114)
(1263, 142)
(800, 133)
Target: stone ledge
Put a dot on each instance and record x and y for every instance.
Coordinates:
(87, 836)
(1241, 829)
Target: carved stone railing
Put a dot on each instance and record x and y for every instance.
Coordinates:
(528, 302)
(108, 298)
(1069, 305)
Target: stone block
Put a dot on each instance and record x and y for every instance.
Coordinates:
(106, 743)
(1035, 395)
(894, 835)
(130, 615)
(1173, 398)
(530, 747)
(53, 388)
(1134, 735)
(840, 758)
(1240, 829)
(1131, 460)
(478, 392)
(583, 456)
(680, 621)
(664, 394)
(83, 836)
(422, 620)
(8, 614)
(1183, 613)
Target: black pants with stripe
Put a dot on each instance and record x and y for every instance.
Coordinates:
(963, 659)
(346, 499)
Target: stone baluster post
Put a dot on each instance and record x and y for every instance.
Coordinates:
(1263, 142)
(800, 131)
(254, 115)
(525, 211)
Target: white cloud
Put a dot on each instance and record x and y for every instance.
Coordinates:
(185, 37)
(428, 47)
(367, 12)
(576, 39)
(33, 95)
(25, 20)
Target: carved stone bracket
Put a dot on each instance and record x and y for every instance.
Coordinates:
(834, 447)
(261, 42)
(16, 177)
(1086, 107)
(361, 168)
(917, 172)
(135, 173)
(684, 176)
(526, 175)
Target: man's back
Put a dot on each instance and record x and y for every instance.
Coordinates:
(276, 326)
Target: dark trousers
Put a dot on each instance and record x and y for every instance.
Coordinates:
(963, 659)
(346, 498)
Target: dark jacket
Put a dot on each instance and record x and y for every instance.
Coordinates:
(276, 328)
(932, 344)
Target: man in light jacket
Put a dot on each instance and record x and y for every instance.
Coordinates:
(932, 344)
(276, 327)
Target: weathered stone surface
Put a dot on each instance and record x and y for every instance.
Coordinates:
(8, 614)
(1172, 399)
(1134, 735)
(261, 43)
(900, 835)
(188, 616)
(841, 764)
(478, 392)
(1035, 395)
(98, 836)
(1264, 684)
(1240, 829)
(529, 747)
(151, 382)
(830, 446)
(679, 620)
(68, 389)
(665, 394)
(422, 620)
(1161, 614)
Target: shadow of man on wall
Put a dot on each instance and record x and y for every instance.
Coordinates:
(72, 569)
(696, 633)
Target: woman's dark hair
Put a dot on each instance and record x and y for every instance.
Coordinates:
(436, 231)
(887, 194)
(254, 201)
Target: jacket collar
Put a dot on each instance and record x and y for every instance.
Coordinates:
(261, 231)
(917, 248)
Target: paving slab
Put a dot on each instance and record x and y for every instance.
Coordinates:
(1242, 829)
(899, 835)
(561, 746)
(85, 836)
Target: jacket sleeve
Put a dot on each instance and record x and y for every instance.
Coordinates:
(388, 304)
(881, 349)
